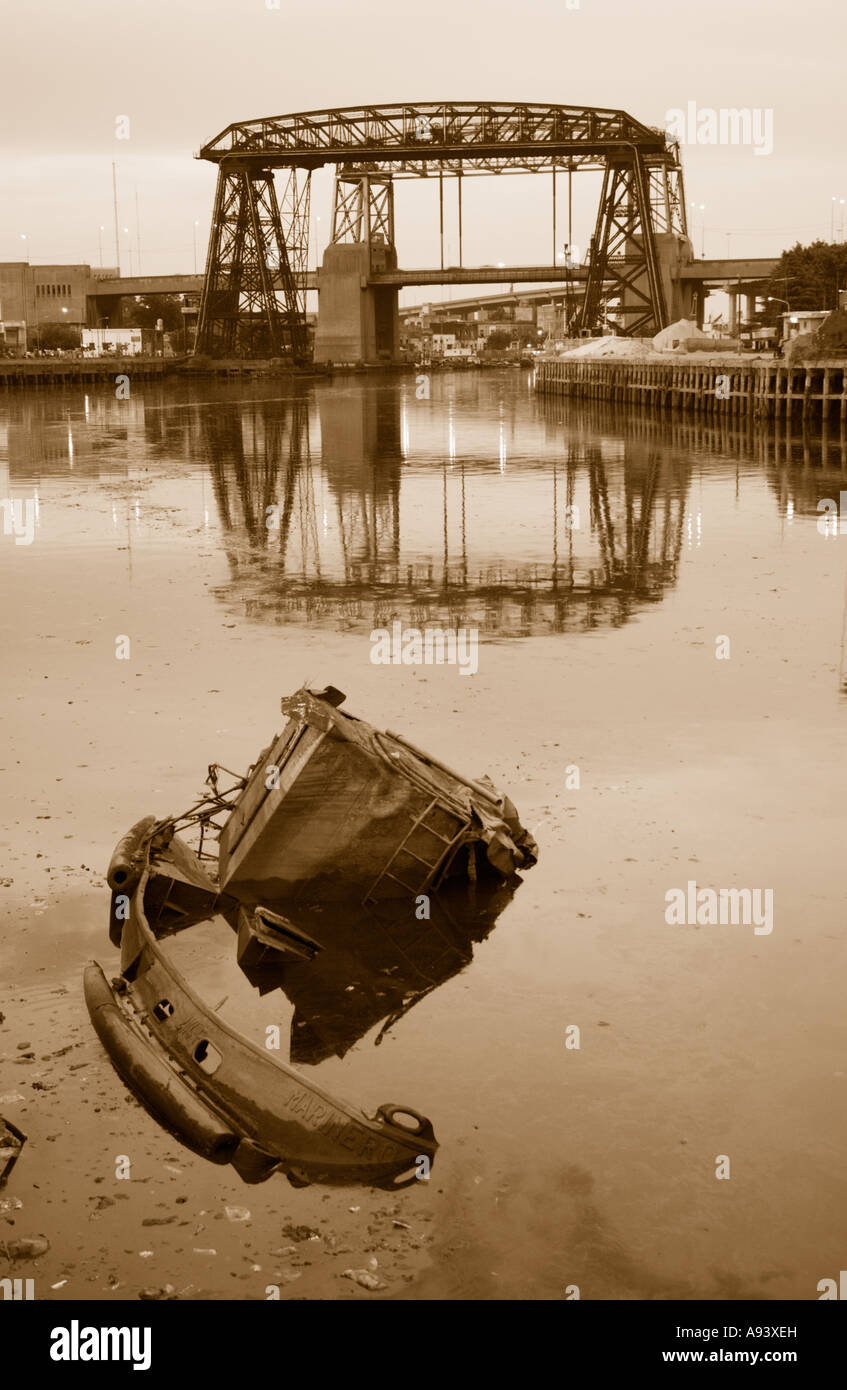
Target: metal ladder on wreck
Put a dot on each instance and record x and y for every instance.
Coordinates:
(432, 866)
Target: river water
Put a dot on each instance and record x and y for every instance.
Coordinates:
(660, 687)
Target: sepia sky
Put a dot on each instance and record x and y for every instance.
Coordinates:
(182, 70)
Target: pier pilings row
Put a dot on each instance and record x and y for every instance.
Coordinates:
(759, 389)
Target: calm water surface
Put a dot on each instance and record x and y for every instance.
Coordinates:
(249, 538)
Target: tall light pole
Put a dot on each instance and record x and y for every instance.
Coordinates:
(26, 247)
(129, 243)
(100, 244)
(702, 207)
(194, 231)
(115, 205)
(775, 299)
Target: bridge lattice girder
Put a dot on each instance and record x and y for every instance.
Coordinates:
(484, 137)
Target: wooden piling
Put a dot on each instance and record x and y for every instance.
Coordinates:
(757, 389)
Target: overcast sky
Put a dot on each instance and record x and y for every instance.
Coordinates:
(182, 70)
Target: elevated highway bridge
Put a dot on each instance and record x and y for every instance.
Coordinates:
(739, 276)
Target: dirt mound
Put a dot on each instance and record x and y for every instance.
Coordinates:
(677, 334)
(832, 334)
(611, 347)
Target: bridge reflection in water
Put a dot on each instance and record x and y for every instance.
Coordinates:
(365, 508)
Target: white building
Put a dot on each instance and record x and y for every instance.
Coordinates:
(798, 321)
(99, 342)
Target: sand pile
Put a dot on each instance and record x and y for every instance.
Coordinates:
(678, 334)
(611, 347)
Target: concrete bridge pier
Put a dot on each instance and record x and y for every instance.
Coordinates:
(357, 322)
(673, 252)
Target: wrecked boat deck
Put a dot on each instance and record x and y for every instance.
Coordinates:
(335, 807)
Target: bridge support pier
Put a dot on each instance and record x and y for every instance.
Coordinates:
(248, 273)
(357, 321)
(673, 253)
(639, 246)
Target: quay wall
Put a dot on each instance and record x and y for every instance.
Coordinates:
(733, 386)
(49, 372)
(41, 371)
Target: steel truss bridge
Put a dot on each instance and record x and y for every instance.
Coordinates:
(253, 301)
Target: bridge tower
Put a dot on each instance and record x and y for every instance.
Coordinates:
(253, 302)
(640, 243)
(359, 322)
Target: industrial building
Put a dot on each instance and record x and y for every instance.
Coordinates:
(34, 295)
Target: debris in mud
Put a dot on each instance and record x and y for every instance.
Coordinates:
(299, 1233)
(363, 1277)
(237, 1213)
(168, 1291)
(25, 1248)
(12, 1141)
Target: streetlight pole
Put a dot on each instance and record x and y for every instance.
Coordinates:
(115, 205)
(702, 208)
(775, 299)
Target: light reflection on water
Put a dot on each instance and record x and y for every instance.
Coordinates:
(353, 504)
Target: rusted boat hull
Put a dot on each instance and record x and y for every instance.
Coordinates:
(229, 1099)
